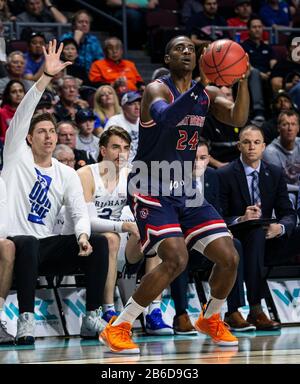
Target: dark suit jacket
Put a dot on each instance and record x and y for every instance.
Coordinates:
(212, 188)
(235, 197)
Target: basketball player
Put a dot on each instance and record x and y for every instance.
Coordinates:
(37, 187)
(105, 190)
(172, 114)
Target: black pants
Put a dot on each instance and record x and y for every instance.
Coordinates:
(59, 255)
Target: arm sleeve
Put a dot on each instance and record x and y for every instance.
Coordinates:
(95, 73)
(102, 225)
(19, 125)
(76, 206)
(3, 210)
(171, 114)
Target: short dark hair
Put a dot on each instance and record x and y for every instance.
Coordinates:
(251, 127)
(203, 141)
(171, 42)
(42, 117)
(70, 41)
(288, 112)
(113, 131)
(253, 17)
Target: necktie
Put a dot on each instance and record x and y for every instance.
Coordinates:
(255, 188)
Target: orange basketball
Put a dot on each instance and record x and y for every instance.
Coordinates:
(223, 62)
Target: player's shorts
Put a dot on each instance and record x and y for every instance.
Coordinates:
(158, 219)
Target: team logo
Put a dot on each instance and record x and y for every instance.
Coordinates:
(144, 212)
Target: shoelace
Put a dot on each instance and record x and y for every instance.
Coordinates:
(123, 334)
(222, 327)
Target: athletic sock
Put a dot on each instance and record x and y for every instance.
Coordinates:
(130, 312)
(213, 306)
(155, 304)
(108, 307)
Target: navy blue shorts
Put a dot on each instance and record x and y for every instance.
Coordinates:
(158, 219)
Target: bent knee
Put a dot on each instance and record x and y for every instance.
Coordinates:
(230, 259)
(7, 251)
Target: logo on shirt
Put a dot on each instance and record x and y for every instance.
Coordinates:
(38, 197)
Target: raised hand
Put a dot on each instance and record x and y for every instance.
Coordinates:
(53, 64)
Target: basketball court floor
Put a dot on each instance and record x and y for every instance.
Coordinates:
(277, 347)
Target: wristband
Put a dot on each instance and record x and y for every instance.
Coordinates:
(48, 74)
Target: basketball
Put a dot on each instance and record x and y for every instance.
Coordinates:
(223, 62)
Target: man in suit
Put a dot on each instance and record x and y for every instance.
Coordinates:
(251, 189)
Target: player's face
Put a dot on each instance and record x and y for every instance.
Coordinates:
(67, 135)
(182, 55)
(116, 151)
(43, 138)
(288, 128)
(201, 161)
(251, 146)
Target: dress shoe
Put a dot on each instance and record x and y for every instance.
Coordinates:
(182, 325)
(262, 322)
(237, 323)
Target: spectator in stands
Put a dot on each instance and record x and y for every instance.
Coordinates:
(114, 67)
(41, 11)
(106, 105)
(5, 14)
(285, 67)
(199, 25)
(284, 151)
(223, 138)
(16, 6)
(70, 53)
(105, 195)
(189, 8)
(249, 189)
(243, 11)
(275, 13)
(11, 98)
(281, 102)
(86, 140)
(261, 61)
(34, 56)
(15, 71)
(69, 103)
(46, 104)
(30, 172)
(64, 154)
(7, 257)
(129, 119)
(89, 45)
(66, 134)
(135, 13)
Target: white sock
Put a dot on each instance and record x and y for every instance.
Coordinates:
(154, 305)
(213, 306)
(108, 307)
(130, 312)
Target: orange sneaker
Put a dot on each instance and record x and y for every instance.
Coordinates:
(216, 329)
(118, 338)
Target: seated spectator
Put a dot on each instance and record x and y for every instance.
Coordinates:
(243, 11)
(275, 13)
(129, 119)
(64, 154)
(114, 67)
(11, 98)
(199, 25)
(281, 102)
(222, 138)
(66, 134)
(5, 13)
(262, 61)
(34, 56)
(16, 6)
(284, 67)
(86, 140)
(106, 105)
(7, 258)
(89, 46)
(293, 79)
(30, 172)
(189, 8)
(70, 53)
(284, 151)
(15, 71)
(46, 104)
(69, 103)
(42, 11)
(249, 189)
(135, 13)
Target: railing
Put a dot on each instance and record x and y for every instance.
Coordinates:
(273, 32)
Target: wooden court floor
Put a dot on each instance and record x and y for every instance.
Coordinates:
(277, 347)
